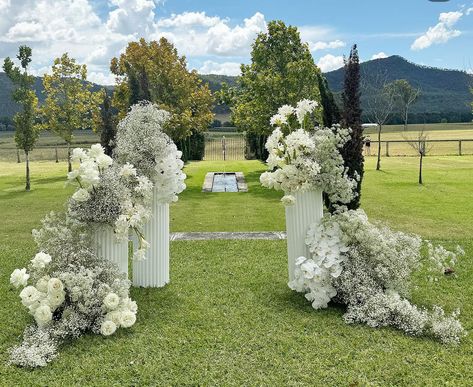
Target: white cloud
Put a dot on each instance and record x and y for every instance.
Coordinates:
(187, 19)
(330, 62)
(315, 33)
(211, 35)
(225, 68)
(321, 45)
(101, 78)
(469, 11)
(442, 32)
(379, 55)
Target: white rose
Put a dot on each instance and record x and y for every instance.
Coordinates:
(19, 277)
(129, 304)
(81, 195)
(111, 301)
(56, 299)
(55, 286)
(115, 316)
(288, 200)
(108, 328)
(96, 150)
(29, 295)
(43, 315)
(104, 161)
(42, 284)
(41, 300)
(128, 318)
(40, 260)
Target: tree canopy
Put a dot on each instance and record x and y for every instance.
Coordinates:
(155, 72)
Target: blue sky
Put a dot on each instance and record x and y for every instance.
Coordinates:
(216, 36)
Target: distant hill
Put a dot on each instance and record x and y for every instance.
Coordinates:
(445, 93)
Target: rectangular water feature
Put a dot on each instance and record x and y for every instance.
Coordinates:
(224, 182)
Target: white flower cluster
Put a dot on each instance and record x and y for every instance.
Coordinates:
(300, 160)
(368, 268)
(314, 276)
(69, 291)
(141, 140)
(117, 195)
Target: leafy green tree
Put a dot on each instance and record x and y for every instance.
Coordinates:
(352, 152)
(70, 103)
(26, 129)
(155, 72)
(404, 96)
(282, 71)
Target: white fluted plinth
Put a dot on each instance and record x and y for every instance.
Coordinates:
(154, 270)
(307, 209)
(106, 246)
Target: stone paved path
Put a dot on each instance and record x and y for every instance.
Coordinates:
(203, 236)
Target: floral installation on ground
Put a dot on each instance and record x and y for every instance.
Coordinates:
(363, 266)
(301, 159)
(368, 268)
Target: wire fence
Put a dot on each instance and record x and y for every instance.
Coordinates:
(224, 148)
(395, 148)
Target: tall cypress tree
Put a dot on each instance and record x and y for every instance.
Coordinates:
(352, 152)
(107, 126)
(331, 113)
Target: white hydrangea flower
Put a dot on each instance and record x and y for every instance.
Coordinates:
(128, 170)
(78, 155)
(81, 195)
(288, 200)
(40, 260)
(19, 277)
(103, 161)
(73, 175)
(96, 151)
(108, 328)
(42, 284)
(111, 301)
(305, 107)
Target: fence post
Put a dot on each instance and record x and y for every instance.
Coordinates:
(18, 156)
(387, 148)
(459, 147)
(224, 148)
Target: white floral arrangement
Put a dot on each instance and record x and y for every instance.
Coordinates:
(69, 291)
(141, 140)
(368, 268)
(109, 193)
(302, 159)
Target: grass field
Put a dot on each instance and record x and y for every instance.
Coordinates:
(227, 317)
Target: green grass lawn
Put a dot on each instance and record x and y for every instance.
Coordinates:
(228, 317)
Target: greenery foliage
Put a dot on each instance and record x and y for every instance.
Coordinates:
(70, 103)
(26, 129)
(155, 72)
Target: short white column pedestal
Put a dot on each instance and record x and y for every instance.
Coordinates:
(106, 246)
(307, 209)
(154, 270)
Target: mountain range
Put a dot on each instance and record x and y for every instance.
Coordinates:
(445, 94)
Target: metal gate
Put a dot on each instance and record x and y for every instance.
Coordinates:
(219, 147)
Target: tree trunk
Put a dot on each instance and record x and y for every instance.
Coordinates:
(69, 164)
(420, 168)
(405, 120)
(378, 163)
(27, 162)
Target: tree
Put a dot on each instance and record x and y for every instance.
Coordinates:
(26, 129)
(155, 72)
(422, 147)
(331, 112)
(282, 71)
(380, 103)
(70, 104)
(404, 95)
(106, 125)
(352, 152)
